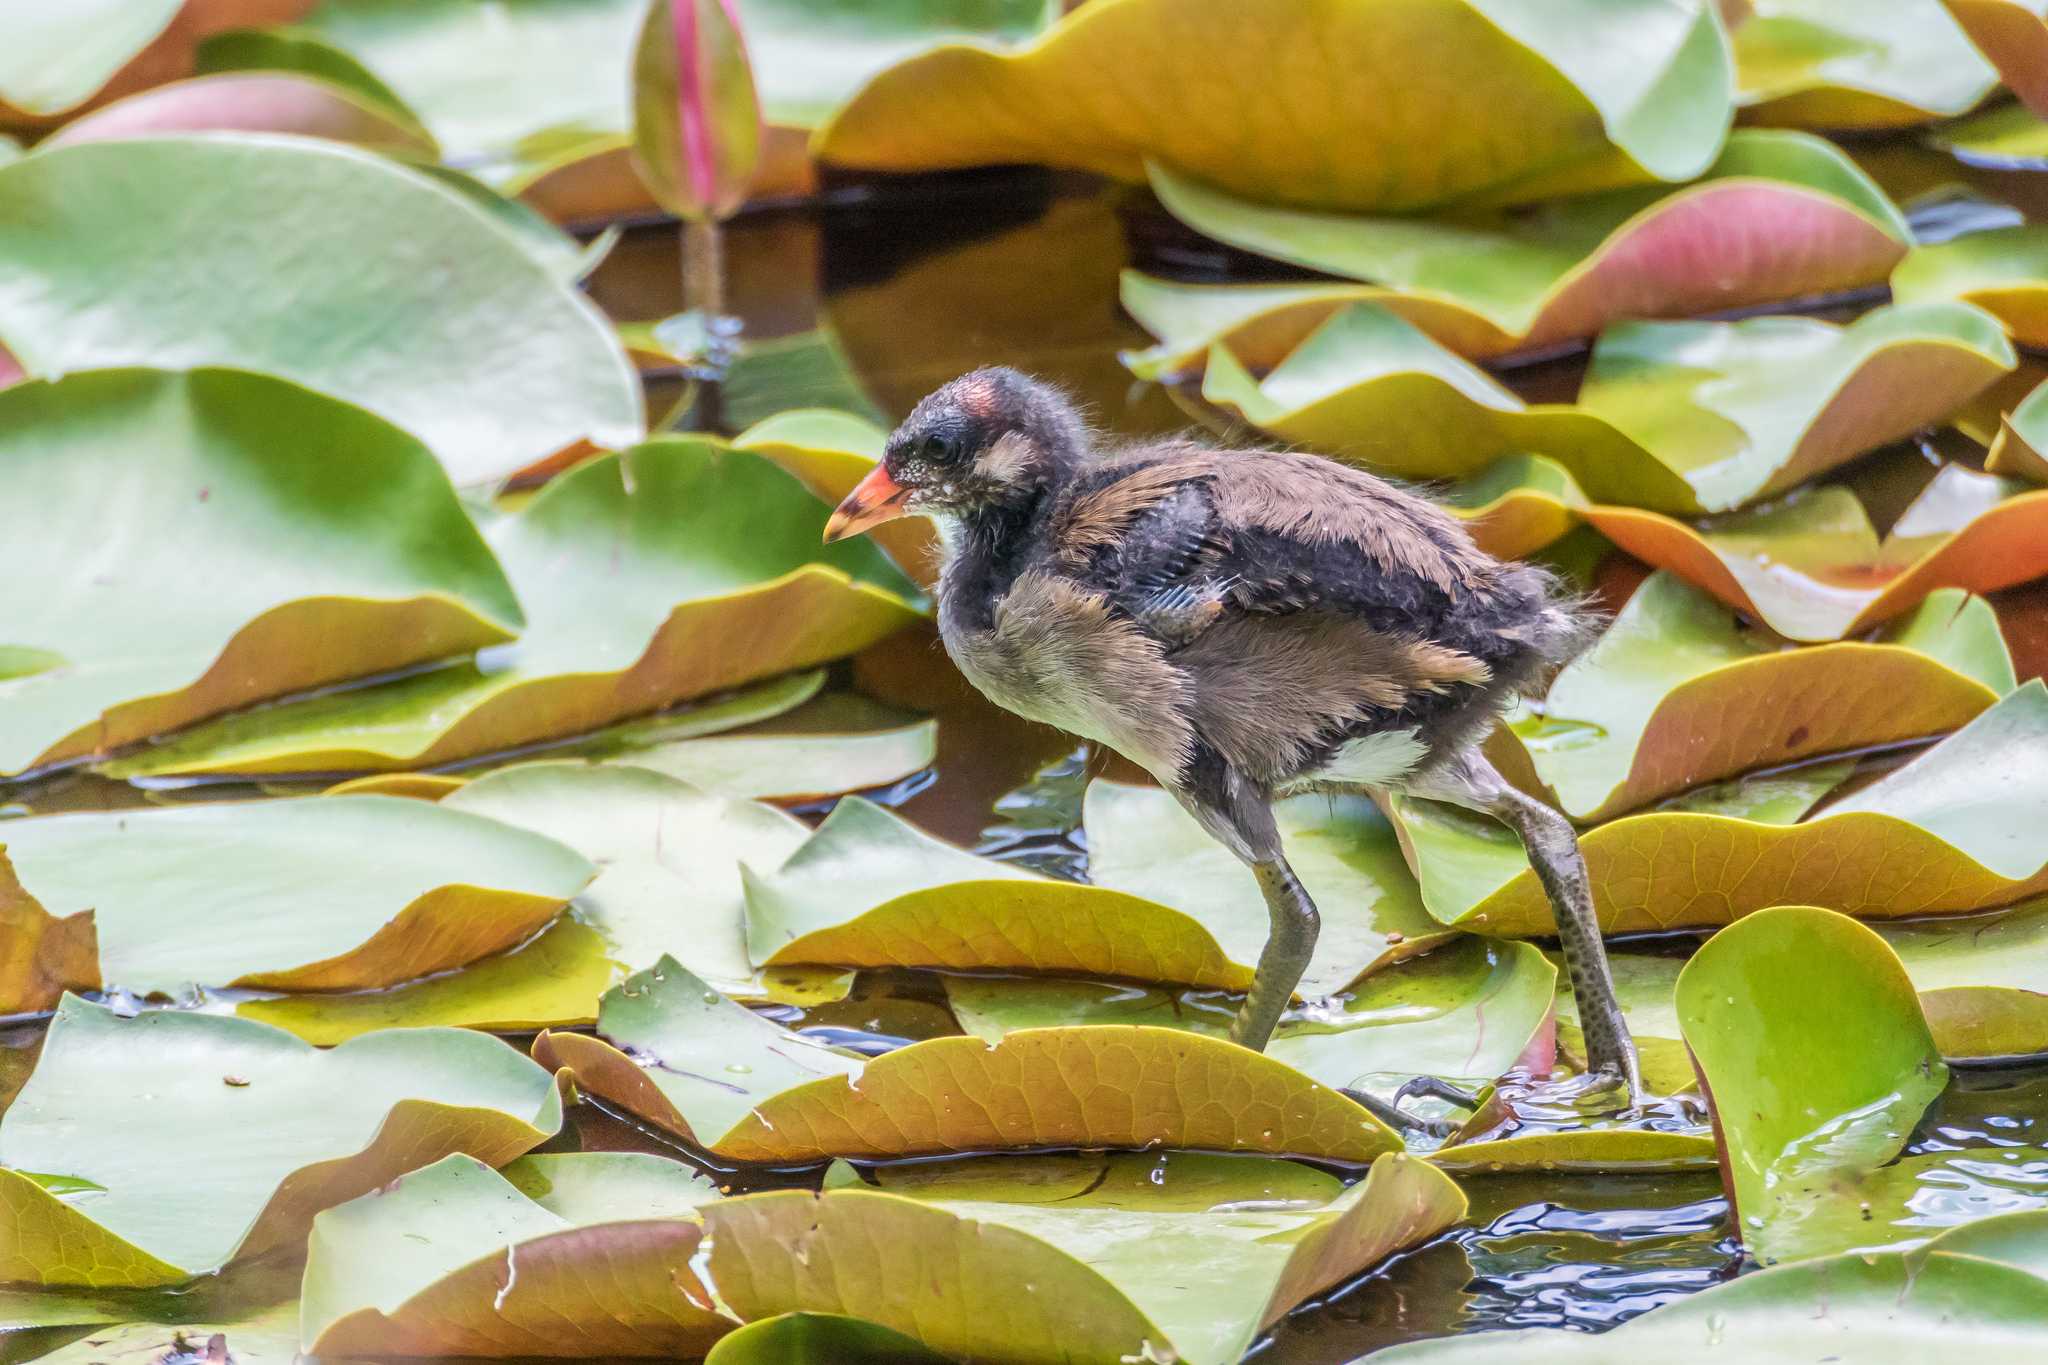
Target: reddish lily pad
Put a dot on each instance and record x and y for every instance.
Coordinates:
(735, 1084)
(1519, 101)
(1779, 215)
(253, 102)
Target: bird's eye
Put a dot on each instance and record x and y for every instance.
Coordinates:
(936, 449)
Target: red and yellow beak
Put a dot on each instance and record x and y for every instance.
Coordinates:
(874, 500)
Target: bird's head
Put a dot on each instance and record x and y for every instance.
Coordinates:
(990, 439)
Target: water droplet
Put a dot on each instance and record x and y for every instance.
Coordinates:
(738, 1068)
(712, 997)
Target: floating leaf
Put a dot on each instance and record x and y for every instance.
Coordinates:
(830, 452)
(266, 1335)
(1809, 565)
(1465, 1010)
(818, 750)
(1840, 64)
(1874, 1308)
(1948, 833)
(276, 894)
(1178, 1257)
(735, 1084)
(458, 1259)
(696, 121)
(2009, 137)
(2003, 271)
(1518, 99)
(53, 59)
(1681, 416)
(1812, 1089)
(129, 236)
(2014, 35)
(2021, 447)
(271, 541)
(1779, 215)
(253, 102)
(675, 571)
(1674, 694)
(818, 1339)
(270, 1131)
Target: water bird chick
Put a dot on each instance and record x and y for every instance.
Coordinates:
(1243, 624)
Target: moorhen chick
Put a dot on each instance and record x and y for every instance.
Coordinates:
(1243, 624)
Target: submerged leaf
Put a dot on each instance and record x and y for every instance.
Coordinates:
(677, 570)
(267, 1132)
(586, 1254)
(1174, 1257)
(1685, 417)
(277, 895)
(1674, 694)
(1518, 99)
(264, 541)
(1947, 833)
(135, 236)
(1779, 215)
(740, 1086)
(1845, 64)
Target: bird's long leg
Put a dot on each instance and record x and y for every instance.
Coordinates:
(1288, 947)
(1553, 851)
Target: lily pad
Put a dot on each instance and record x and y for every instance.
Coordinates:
(276, 894)
(119, 247)
(804, 756)
(818, 1339)
(460, 1260)
(2014, 35)
(1168, 903)
(1778, 215)
(1948, 833)
(253, 102)
(677, 570)
(2003, 271)
(271, 1131)
(265, 1335)
(742, 1087)
(1812, 1089)
(1178, 1257)
(1874, 1308)
(271, 541)
(56, 59)
(1842, 64)
(1808, 565)
(2021, 447)
(2007, 137)
(829, 452)
(1675, 694)
(1684, 417)
(1465, 1010)
(1518, 99)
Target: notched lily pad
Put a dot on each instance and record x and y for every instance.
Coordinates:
(740, 1086)
(1171, 1257)
(1779, 215)
(587, 1254)
(1685, 417)
(269, 541)
(270, 1130)
(675, 571)
(1521, 101)
(272, 895)
(1675, 694)
(1948, 833)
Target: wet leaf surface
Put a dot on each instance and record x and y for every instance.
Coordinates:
(2003, 271)
(1830, 64)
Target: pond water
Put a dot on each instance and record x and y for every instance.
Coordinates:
(871, 300)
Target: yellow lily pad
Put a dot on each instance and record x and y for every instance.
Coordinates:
(2003, 271)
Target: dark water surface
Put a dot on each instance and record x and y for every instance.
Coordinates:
(874, 299)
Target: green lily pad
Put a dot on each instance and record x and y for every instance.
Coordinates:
(271, 541)
(579, 1255)
(1778, 215)
(2021, 447)
(1882, 1308)
(1809, 565)
(1174, 1257)
(1841, 64)
(56, 59)
(1684, 417)
(267, 1335)
(135, 235)
(1813, 1089)
(1520, 101)
(818, 1339)
(2010, 137)
(270, 1130)
(734, 1083)
(1676, 694)
(829, 452)
(2003, 271)
(1951, 832)
(1465, 1010)
(643, 587)
(276, 894)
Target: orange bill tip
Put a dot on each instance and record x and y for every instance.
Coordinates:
(874, 500)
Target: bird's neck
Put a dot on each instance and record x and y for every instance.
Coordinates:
(986, 548)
